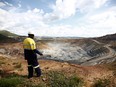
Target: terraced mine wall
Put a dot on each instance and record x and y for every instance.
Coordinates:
(78, 51)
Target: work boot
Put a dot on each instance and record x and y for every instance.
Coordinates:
(30, 72)
(38, 71)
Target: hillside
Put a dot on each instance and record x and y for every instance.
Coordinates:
(8, 37)
(4, 39)
(86, 76)
(7, 33)
(110, 37)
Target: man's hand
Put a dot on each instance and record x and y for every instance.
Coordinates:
(41, 54)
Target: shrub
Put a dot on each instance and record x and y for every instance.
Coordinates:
(74, 81)
(18, 65)
(102, 83)
(11, 81)
(1, 72)
(58, 79)
(1, 63)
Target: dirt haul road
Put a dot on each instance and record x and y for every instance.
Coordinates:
(98, 60)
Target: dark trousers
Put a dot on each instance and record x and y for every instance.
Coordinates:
(32, 64)
(30, 71)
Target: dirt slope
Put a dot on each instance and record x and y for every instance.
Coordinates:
(88, 73)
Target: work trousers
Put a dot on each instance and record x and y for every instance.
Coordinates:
(33, 64)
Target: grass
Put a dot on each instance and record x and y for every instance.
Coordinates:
(53, 79)
(102, 83)
(2, 72)
(110, 81)
(14, 80)
(1, 63)
(58, 79)
(112, 66)
(11, 82)
(2, 60)
(17, 65)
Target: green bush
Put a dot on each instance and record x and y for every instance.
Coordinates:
(102, 83)
(11, 81)
(58, 79)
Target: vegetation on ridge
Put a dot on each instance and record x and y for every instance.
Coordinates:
(7, 33)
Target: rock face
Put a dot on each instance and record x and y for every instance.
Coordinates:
(85, 52)
(65, 52)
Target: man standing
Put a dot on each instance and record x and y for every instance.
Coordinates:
(30, 51)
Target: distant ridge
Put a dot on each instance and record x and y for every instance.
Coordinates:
(109, 37)
(5, 39)
(7, 33)
(6, 36)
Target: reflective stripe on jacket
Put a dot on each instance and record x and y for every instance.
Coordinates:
(29, 44)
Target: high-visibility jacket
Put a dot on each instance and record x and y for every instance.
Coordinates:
(29, 44)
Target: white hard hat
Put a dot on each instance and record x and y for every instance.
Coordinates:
(30, 33)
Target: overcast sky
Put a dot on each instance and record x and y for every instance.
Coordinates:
(82, 18)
